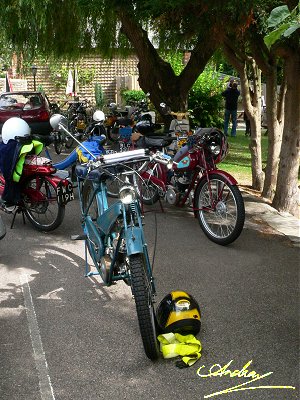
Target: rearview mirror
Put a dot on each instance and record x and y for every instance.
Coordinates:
(56, 120)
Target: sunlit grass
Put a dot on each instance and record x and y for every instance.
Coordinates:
(238, 160)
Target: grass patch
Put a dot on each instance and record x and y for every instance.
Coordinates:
(238, 160)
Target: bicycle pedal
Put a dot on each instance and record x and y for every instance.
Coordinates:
(78, 237)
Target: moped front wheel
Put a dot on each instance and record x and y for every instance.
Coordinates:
(219, 207)
(41, 206)
(58, 145)
(141, 288)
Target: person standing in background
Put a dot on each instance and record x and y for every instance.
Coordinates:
(231, 95)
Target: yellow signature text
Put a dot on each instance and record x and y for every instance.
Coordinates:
(245, 372)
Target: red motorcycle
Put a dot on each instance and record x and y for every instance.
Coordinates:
(192, 176)
(44, 194)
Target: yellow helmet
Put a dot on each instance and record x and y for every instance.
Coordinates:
(178, 312)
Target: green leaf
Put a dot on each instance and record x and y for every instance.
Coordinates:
(278, 15)
(291, 30)
(272, 37)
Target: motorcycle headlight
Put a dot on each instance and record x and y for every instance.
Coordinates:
(215, 149)
(127, 194)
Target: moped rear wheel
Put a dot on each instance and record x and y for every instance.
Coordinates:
(45, 215)
(220, 210)
(142, 292)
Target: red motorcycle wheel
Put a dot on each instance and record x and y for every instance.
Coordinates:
(41, 206)
(219, 207)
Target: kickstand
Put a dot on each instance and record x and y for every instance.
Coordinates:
(88, 271)
(18, 211)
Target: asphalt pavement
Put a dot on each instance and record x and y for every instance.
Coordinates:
(67, 337)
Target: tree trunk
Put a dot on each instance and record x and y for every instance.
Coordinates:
(156, 76)
(252, 107)
(255, 123)
(275, 125)
(287, 192)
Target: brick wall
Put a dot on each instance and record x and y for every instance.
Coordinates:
(107, 73)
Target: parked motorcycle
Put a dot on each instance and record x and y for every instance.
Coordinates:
(78, 119)
(40, 192)
(192, 176)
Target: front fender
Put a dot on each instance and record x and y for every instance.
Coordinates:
(229, 178)
(134, 242)
(152, 178)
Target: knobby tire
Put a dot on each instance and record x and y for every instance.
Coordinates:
(142, 292)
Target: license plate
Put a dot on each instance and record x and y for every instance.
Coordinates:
(64, 193)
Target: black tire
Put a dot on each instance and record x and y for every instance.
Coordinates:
(149, 193)
(142, 292)
(223, 223)
(87, 192)
(47, 215)
(58, 145)
(113, 185)
(69, 142)
(93, 212)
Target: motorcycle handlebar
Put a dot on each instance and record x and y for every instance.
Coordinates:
(161, 158)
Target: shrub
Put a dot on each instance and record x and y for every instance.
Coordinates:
(99, 96)
(132, 96)
(205, 100)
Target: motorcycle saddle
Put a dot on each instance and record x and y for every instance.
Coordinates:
(154, 141)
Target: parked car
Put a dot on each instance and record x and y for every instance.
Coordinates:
(33, 107)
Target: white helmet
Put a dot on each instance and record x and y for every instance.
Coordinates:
(14, 127)
(98, 116)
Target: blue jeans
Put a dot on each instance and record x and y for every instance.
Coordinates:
(233, 114)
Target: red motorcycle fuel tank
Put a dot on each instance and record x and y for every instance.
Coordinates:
(185, 160)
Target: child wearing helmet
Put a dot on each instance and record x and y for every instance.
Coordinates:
(16, 144)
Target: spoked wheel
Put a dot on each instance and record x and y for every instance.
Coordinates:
(69, 142)
(149, 193)
(58, 146)
(41, 206)
(87, 193)
(220, 209)
(113, 185)
(92, 215)
(142, 292)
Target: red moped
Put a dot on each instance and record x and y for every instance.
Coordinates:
(44, 194)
